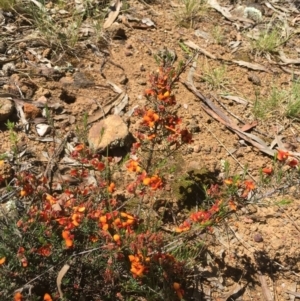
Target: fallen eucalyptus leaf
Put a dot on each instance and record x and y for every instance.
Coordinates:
(59, 278)
(42, 129)
(113, 14)
(148, 22)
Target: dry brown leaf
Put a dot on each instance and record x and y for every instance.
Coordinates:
(264, 286)
(59, 278)
(248, 126)
(288, 61)
(201, 50)
(252, 66)
(236, 99)
(113, 14)
(290, 71)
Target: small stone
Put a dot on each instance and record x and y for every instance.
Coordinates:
(258, 237)
(254, 79)
(197, 149)
(66, 81)
(22, 45)
(129, 46)
(207, 149)
(42, 100)
(111, 132)
(128, 53)
(6, 108)
(142, 68)
(83, 80)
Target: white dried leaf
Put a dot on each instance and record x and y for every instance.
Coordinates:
(148, 22)
(43, 129)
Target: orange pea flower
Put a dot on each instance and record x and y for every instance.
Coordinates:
(45, 250)
(178, 290)
(267, 170)
(228, 181)
(249, 185)
(232, 205)
(2, 260)
(116, 237)
(76, 219)
(68, 237)
(47, 297)
(163, 95)
(111, 187)
(150, 137)
(137, 267)
(18, 297)
(282, 155)
(79, 147)
(133, 166)
(150, 92)
(185, 226)
(154, 182)
(150, 118)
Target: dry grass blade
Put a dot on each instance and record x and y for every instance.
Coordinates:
(201, 50)
(288, 61)
(113, 14)
(236, 99)
(60, 276)
(293, 293)
(266, 291)
(252, 66)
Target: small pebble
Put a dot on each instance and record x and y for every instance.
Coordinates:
(197, 148)
(254, 79)
(257, 237)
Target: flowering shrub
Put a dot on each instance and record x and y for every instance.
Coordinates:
(111, 253)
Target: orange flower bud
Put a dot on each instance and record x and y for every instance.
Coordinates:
(116, 237)
(176, 286)
(146, 181)
(47, 297)
(18, 296)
